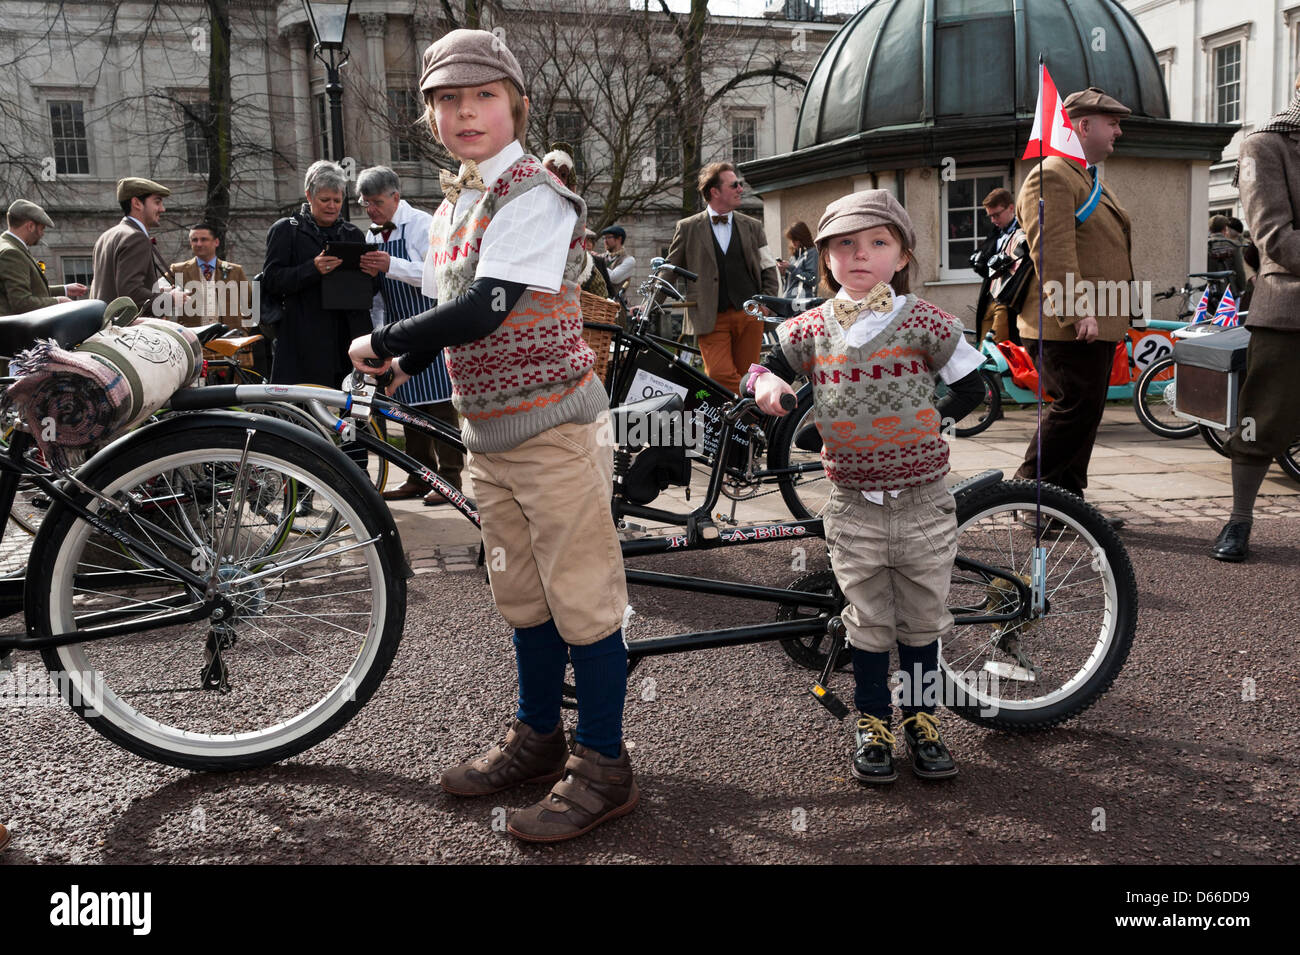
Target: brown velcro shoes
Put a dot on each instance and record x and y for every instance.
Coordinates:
(594, 789)
(525, 757)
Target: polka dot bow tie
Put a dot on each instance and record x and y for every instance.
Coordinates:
(879, 299)
(452, 186)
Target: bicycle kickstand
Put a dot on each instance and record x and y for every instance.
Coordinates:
(820, 689)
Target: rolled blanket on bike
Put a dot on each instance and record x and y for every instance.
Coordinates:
(111, 382)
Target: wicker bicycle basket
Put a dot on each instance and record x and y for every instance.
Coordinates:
(602, 314)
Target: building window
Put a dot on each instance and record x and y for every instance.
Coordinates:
(966, 224)
(1227, 83)
(196, 115)
(569, 129)
(403, 110)
(323, 125)
(744, 139)
(76, 268)
(668, 148)
(68, 128)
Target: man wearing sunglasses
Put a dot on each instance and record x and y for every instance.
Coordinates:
(729, 253)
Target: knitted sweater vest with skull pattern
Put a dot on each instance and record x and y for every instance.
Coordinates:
(535, 371)
(874, 405)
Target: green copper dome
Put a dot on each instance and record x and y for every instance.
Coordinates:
(900, 64)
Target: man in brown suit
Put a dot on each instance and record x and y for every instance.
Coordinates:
(1085, 238)
(22, 283)
(127, 260)
(1268, 172)
(729, 253)
(218, 286)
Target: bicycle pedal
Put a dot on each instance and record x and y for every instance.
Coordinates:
(829, 700)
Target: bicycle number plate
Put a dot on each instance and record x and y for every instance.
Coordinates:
(657, 376)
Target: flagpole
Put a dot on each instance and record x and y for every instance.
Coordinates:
(1044, 135)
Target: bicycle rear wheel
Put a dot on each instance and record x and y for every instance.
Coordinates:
(1030, 673)
(311, 624)
(1153, 400)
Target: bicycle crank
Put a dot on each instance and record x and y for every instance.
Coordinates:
(821, 693)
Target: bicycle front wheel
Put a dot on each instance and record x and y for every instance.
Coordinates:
(311, 620)
(1153, 400)
(1031, 672)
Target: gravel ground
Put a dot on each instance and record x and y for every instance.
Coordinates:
(735, 761)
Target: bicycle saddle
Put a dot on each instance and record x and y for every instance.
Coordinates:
(68, 323)
(205, 333)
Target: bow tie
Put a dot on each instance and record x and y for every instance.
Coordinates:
(879, 299)
(386, 227)
(453, 185)
(719, 220)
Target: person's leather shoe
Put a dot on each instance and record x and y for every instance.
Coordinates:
(930, 757)
(4, 838)
(406, 491)
(1233, 542)
(526, 756)
(434, 498)
(594, 789)
(873, 756)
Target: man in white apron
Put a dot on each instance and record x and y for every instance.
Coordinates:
(400, 234)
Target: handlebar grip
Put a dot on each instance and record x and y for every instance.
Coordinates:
(788, 401)
(373, 362)
(689, 276)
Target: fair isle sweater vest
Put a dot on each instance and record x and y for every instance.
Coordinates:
(874, 405)
(535, 371)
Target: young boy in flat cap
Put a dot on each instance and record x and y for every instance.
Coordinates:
(891, 521)
(506, 253)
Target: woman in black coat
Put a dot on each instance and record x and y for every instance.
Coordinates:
(311, 345)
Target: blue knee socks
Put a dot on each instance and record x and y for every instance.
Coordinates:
(921, 680)
(600, 673)
(871, 692)
(541, 656)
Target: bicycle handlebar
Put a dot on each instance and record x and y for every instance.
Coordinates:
(659, 262)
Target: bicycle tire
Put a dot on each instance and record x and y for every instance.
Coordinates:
(151, 693)
(1289, 460)
(807, 494)
(1080, 643)
(1153, 401)
(982, 416)
(1216, 438)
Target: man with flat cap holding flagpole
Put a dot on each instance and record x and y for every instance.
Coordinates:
(23, 287)
(127, 260)
(1085, 236)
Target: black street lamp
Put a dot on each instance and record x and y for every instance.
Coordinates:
(329, 21)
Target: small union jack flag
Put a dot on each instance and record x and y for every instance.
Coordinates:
(1226, 314)
(1202, 308)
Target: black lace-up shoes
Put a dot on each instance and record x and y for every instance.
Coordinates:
(873, 756)
(930, 757)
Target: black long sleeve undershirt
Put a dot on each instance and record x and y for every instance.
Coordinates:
(475, 314)
(963, 397)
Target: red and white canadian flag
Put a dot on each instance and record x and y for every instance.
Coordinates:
(1050, 115)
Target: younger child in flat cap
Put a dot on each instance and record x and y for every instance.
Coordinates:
(872, 354)
(505, 260)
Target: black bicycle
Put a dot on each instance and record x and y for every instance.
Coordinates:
(1043, 593)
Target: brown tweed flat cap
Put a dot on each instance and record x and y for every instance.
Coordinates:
(863, 210)
(135, 186)
(1091, 101)
(24, 210)
(469, 58)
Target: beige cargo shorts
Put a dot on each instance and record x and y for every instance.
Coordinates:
(893, 561)
(548, 535)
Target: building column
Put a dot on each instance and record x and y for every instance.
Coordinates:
(377, 80)
(305, 147)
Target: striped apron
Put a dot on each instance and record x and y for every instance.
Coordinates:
(402, 301)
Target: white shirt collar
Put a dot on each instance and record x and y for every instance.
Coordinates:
(491, 169)
(139, 223)
(402, 213)
(16, 239)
